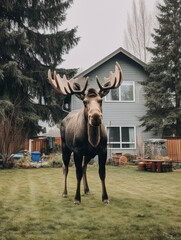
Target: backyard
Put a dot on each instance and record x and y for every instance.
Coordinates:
(143, 205)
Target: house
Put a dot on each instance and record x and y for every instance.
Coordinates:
(122, 107)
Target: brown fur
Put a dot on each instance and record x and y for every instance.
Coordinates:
(83, 131)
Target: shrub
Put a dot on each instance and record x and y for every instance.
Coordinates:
(57, 148)
(26, 159)
(110, 162)
(55, 161)
(129, 156)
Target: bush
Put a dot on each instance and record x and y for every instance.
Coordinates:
(55, 161)
(110, 162)
(57, 148)
(130, 157)
(26, 159)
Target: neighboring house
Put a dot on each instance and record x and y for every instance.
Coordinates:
(122, 107)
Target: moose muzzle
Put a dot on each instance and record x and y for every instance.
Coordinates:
(95, 119)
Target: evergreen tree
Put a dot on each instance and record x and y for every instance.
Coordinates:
(31, 42)
(163, 86)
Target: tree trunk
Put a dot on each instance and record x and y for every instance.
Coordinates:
(5, 160)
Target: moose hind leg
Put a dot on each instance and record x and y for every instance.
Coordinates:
(79, 173)
(66, 159)
(102, 174)
(86, 187)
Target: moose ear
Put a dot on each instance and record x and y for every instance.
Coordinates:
(76, 86)
(103, 94)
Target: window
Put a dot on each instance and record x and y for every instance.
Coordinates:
(121, 137)
(125, 93)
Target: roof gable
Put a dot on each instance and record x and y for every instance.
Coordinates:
(119, 50)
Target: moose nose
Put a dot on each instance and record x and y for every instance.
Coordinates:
(95, 119)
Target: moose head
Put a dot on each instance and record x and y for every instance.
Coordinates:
(92, 98)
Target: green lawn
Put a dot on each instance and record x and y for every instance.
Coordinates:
(143, 205)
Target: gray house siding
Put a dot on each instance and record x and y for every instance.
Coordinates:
(121, 113)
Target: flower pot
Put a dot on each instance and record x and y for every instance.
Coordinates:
(25, 165)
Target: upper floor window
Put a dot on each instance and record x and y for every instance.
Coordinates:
(125, 93)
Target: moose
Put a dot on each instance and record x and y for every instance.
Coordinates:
(83, 131)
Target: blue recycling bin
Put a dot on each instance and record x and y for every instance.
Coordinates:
(35, 156)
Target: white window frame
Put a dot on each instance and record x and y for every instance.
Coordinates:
(121, 138)
(124, 101)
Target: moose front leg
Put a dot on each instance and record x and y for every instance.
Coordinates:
(86, 187)
(79, 173)
(102, 174)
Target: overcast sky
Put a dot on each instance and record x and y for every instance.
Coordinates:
(101, 25)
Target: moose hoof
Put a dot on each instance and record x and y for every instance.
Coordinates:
(64, 195)
(106, 201)
(76, 202)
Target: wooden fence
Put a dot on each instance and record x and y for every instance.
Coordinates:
(174, 149)
(58, 140)
(40, 144)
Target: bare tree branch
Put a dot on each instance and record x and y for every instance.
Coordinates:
(12, 132)
(138, 33)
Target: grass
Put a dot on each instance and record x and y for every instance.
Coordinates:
(143, 205)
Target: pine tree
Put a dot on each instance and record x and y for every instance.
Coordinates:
(163, 86)
(31, 42)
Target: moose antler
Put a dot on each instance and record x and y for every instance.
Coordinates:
(114, 81)
(66, 87)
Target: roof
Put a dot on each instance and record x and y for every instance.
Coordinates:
(119, 50)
